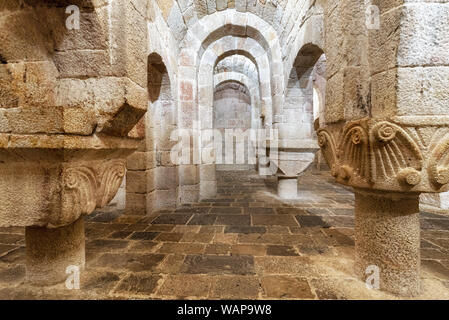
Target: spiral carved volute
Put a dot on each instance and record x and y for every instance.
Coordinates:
(387, 156)
(87, 187)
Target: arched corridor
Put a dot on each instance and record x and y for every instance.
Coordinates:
(224, 149)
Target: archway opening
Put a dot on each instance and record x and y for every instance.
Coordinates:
(305, 100)
(233, 121)
(152, 179)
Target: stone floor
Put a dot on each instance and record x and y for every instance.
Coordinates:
(245, 244)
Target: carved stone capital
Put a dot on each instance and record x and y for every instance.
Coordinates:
(87, 186)
(53, 181)
(388, 155)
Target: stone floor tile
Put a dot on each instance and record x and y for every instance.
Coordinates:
(12, 275)
(186, 286)
(285, 265)
(144, 235)
(172, 264)
(100, 282)
(235, 287)
(273, 220)
(312, 221)
(226, 238)
(140, 284)
(294, 211)
(159, 228)
(135, 262)
(15, 256)
(244, 229)
(214, 264)
(10, 238)
(197, 237)
(120, 234)
(295, 239)
(172, 219)
(6, 248)
(253, 238)
(143, 246)
(184, 229)
(202, 210)
(203, 219)
(248, 249)
(169, 237)
(226, 211)
(184, 248)
(138, 227)
(435, 268)
(434, 254)
(217, 248)
(233, 220)
(106, 245)
(13, 230)
(259, 210)
(212, 229)
(278, 250)
(286, 287)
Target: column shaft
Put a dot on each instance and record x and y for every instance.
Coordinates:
(387, 233)
(50, 251)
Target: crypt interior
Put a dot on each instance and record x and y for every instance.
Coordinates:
(224, 149)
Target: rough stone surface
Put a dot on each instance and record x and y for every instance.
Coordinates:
(152, 105)
(186, 261)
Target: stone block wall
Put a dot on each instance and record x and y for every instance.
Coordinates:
(232, 113)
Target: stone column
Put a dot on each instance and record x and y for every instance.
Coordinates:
(287, 187)
(50, 251)
(384, 129)
(387, 233)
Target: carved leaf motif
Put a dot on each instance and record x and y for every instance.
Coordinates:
(354, 151)
(392, 151)
(79, 196)
(328, 147)
(439, 162)
(89, 187)
(109, 181)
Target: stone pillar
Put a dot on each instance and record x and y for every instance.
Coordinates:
(287, 187)
(50, 251)
(387, 233)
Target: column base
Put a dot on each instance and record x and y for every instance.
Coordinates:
(387, 234)
(288, 187)
(50, 251)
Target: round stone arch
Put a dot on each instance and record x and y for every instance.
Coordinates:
(253, 88)
(220, 24)
(260, 60)
(152, 180)
(308, 58)
(242, 118)
(243, 79)
(311, 32)
(238, 63)
(219, 50)
(197, 40)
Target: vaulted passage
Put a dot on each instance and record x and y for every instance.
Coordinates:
(285, 149)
